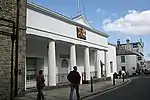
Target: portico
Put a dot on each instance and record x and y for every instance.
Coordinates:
(57, 59)
(56, 44)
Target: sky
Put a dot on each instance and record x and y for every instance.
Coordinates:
(121, 19)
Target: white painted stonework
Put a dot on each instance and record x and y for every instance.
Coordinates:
(134, 56)
(52, 45)
(111, 58)
(130, 62)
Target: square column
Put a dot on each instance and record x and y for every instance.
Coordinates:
(98, 65)
(72, 56)
(52, 64)
(87, 63)
(106, 63)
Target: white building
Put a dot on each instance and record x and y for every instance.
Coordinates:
(56, 43)
(148, 65)
(130, 56)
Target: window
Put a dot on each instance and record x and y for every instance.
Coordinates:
(135, 45)
(33, 65)
(111, 67)
(122, 59)
(139, 58)
(31, 68)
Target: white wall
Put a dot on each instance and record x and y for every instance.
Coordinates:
(148, 64)
(130, 62)
(59, 30)
(34, 45)
(119, 64)
(132, 59)
(92, 59)
(111, 58)
(80, 59)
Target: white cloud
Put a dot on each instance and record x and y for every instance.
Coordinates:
(98, 10)
(134, 22)
(106, 21)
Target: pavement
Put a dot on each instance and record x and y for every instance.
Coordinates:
(85, 91)
(138, 89)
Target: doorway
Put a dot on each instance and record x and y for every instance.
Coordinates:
(64, 70)
(33, 65)
(64, 65)
(123, 68)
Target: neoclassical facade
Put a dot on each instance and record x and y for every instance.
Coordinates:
(56, 43)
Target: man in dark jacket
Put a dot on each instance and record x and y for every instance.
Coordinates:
(120, 73)
(40, 84)
(74, 78)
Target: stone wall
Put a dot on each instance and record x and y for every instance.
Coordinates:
(8, 11)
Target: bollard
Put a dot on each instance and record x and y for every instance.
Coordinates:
(114, 79)
(91, 84)
(123, 77)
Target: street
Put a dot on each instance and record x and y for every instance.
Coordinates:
(138, 89)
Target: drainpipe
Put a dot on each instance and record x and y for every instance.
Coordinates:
(16, 53)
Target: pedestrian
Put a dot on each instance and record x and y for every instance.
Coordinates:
(123, 75)
(119, 73)
(40, 84)
(74, 78)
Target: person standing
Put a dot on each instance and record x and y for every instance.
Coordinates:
(74, 78)
(119, 73)
(123, 75)
(40, 84)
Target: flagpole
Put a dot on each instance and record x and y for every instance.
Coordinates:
(78, 8)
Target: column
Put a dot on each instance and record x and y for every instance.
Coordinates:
(87, 63)
(98, 66)
(52, 63)
(72, 56)
(106, 63)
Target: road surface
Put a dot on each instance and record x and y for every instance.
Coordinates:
(138, 89)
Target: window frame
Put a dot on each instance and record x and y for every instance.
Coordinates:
(123, 60)
(111, 66)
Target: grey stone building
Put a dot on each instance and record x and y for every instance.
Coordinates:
(8, 11)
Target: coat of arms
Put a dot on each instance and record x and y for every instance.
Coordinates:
(81, 33)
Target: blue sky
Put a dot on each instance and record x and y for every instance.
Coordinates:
(121, 19)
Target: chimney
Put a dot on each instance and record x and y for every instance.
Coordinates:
(118, 44)
(128, 44)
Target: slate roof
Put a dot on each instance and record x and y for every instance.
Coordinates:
(125, 52)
